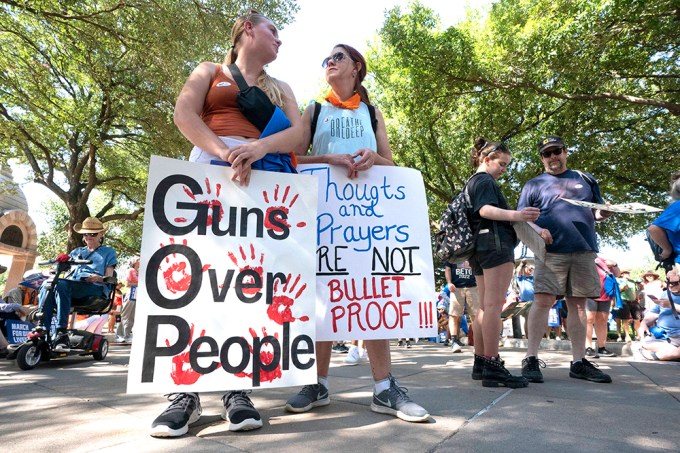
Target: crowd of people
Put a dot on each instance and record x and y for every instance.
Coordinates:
(568, 272)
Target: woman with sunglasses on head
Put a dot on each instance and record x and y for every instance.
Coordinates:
(493, 262)
(367, 145)
(208, 115)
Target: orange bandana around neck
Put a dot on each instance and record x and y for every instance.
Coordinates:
(351, 104)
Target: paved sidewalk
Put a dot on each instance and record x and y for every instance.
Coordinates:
(78, 404)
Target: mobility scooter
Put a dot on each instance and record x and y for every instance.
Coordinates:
(39, 346)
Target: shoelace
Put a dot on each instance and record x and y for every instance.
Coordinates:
(180, 402)
(535, 365)
(310, 391)
(237, 398)
(397, 391)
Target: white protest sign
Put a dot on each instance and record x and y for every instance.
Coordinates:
(226, 284)
(375, 276)
(624, 208)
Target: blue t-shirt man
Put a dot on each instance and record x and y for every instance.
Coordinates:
(572, 227)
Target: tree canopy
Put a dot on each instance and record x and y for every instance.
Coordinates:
(603, 74)
(87, 90)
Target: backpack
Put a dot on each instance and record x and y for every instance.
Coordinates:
(455, 240)
(317, 110)
(610, 286)
(666, 264)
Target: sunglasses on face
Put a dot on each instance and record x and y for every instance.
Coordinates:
(336, 57)
(670, 283)
(554, 152)
(90, 235)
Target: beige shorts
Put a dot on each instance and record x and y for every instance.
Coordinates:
(461, 296)
(568, 274)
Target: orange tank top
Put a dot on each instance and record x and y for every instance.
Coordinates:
(220, 110)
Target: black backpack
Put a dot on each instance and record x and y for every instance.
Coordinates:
(455, 240)
(666, 264)
(317, 110)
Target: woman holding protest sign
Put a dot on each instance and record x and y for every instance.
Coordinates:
(347, 103)
(493, 261)
(235, 114)
(240, 127)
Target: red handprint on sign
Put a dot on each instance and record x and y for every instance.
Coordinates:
(182, 373)
(176, 276)
(203, 199)
(266, 357)
(246, 263)
(282, 207)
(280, 310)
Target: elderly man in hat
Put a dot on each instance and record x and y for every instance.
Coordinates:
(86, 280)
(568, 268)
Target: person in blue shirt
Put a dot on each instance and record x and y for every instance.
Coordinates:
(664, 317)
(665, 230)
(568, 267)
(86, 280)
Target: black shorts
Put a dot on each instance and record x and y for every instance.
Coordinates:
(487, 255)
(636, 311)
(623, 312)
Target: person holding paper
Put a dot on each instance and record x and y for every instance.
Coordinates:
(569, 267)
(209, 115)
(665, 230)
(207, 110)
(493, 262)
(356, 149)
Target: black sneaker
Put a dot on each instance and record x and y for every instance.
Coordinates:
(588, 371)
(310, 396)
(531, 369)
(590, 352)
(494, 374)
(340, 348)
(395, 401)
(477, 368)
(184, 410)
(61, 342)
(239, 411)
(604, 352)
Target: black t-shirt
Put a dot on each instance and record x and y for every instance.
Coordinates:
(483, 191)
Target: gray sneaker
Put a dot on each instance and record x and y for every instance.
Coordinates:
(310, 396)
(184, 409)
(240, 412)
(395, 401)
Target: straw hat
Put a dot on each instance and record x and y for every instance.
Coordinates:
(652, 273)
(89, 225)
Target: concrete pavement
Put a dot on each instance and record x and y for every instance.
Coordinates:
(78, 404)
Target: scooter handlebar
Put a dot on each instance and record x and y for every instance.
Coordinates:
(70, 261)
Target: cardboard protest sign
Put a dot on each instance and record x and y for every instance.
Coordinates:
(226, 284)
(374, 268)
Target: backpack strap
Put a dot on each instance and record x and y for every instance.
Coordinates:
(374, 120)
(238, 77)
(670, 300)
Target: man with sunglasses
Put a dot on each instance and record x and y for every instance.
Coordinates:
(664, 343)
(85, 280)
(571, 247)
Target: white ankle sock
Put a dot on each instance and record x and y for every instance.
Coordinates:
(381, 386)
(323, 380)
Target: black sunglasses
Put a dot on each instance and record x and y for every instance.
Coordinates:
(336, 57)
(554, 152)
(90, 234)
(670, 283)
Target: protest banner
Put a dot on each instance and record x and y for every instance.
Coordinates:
(375, 277)
(17, 330)
(225, 299)
(622, 208)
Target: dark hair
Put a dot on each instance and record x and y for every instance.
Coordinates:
(356, 57)
(484, 148)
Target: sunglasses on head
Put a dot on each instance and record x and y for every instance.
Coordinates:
(90, 235)
(336, 57)
(554, 152)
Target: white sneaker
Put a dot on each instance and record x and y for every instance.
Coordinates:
(363, 355)
(119, 339)
(455, 346)
(352, 356)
